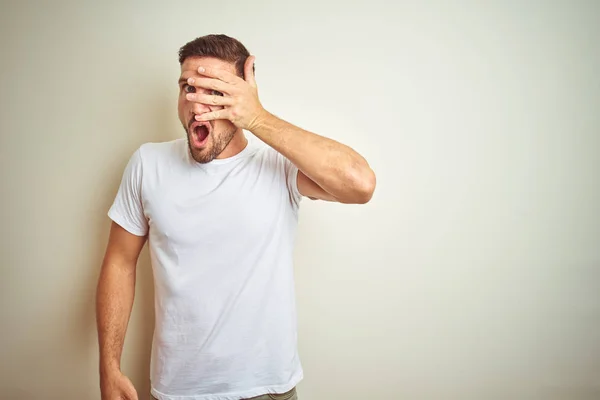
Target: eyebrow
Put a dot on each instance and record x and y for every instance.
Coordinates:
(181, 80)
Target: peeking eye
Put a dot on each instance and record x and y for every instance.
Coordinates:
(189, 89)
(216, 93)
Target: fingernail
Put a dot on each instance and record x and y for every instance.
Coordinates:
(201, 69)
(191, 81)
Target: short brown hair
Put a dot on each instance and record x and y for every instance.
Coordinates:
(218, 46)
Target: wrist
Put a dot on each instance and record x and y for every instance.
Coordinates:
(109, 368)
(260, 121)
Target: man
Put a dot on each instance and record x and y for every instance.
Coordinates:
(219, 212)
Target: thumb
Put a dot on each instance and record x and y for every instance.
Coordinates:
(130, 391)
(132, 395)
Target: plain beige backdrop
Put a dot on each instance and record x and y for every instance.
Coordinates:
(474, 273)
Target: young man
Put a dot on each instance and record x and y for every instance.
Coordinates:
(220, 214)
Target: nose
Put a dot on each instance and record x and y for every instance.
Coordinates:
(198, 108)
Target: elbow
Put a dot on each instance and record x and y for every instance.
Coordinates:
(364, 186)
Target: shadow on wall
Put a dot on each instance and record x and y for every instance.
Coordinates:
(156, 126)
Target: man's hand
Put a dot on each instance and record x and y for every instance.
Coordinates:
(239, 96)
(116, 386)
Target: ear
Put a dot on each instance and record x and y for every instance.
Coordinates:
(249, 71)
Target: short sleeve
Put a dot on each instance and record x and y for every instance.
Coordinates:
(291, 175)
(127, 209)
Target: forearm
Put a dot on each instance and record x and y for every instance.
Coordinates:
(114, 301)
(335, 167)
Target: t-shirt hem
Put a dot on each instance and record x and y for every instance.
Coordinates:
(260, 391)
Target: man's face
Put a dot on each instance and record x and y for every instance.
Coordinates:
(206, 140)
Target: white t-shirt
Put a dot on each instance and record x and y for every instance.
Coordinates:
(221, 239)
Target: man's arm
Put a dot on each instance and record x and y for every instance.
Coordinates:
(114, 301)
(329, 170)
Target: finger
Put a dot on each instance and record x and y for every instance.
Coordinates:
(131, 394)
(130, 391)
(210, 83)
(210, 99)
(219, 74)
(249, 71)
(213, 115)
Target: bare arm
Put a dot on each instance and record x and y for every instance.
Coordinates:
(114, 297)
(329, 170)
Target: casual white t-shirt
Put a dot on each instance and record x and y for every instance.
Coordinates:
(221, 238)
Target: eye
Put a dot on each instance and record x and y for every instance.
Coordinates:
(189, 89)
(216, 93)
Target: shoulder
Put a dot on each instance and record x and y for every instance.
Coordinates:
(158, 150)
(156, 154)
(153, 156)
(266, 154)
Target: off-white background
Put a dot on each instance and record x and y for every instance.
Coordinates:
(474, 273)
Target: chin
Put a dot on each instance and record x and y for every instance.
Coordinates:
(204, 151)
(202, 154)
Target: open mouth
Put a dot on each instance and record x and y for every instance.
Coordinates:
(200, 131)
